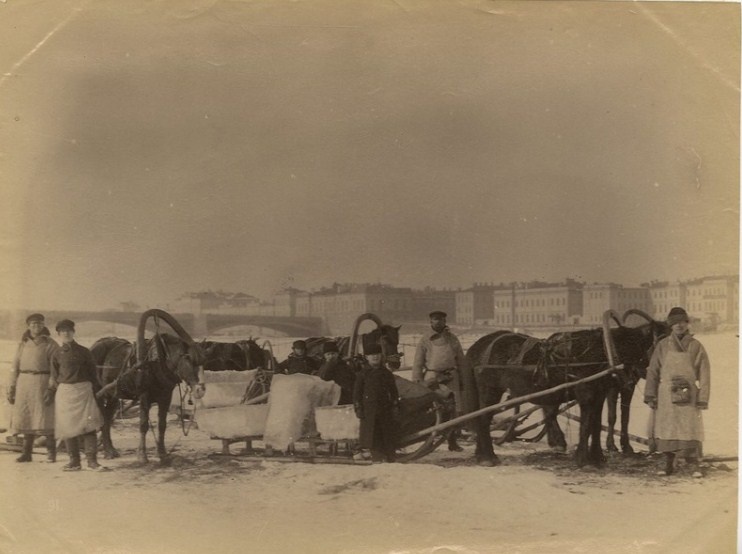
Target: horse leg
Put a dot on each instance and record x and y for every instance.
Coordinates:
(163, 406)
(554, 434)
(144, 407)
(109, 411)
(581, 457)
(626, 395)
(485, 452)
(595, 453)
(612, 400)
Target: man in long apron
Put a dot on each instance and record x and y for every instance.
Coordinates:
(73, 382)
(439, 363)
(678, 388)
(32, 414)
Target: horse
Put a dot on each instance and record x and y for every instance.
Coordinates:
(111, 355)
(530, 365)
(625, 389)
(255, 355)
(234, 356)
(167, 361)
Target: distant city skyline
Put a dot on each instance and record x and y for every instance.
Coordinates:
(149, 149)
(133, 305)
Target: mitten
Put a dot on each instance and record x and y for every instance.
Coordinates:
(49, 397)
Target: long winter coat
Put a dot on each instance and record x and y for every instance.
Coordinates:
(30, 375)
(375, 395)
(676, 424)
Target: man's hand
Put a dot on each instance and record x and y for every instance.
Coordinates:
(49, 397)
(358, 408)
(702, 405)
(11, 394)
(651, 402)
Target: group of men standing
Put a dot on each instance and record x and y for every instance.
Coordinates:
(52, 393)
(52, 389)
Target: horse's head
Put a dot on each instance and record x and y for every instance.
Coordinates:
(387, 336)
(182, 362)
(255, 356)
(635, 345)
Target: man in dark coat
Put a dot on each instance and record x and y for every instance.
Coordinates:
(74, 381)
(376, 403)
(298, 361)
(334, 368)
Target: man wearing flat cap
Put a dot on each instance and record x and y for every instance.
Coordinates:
(33, 410)
(439, 363)
(74, 381)
(677, 389)
(298, 361)
(335, 369)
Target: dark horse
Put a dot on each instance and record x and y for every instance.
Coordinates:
(527, 365)
(625, 388)
(111, 355)
(161, 363)
(234, 356)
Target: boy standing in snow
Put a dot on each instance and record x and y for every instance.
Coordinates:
(376, 403)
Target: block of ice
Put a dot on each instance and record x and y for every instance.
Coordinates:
(337, 422)
(233, 422)
(293, 399)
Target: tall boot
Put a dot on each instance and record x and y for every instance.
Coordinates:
(27, 449)
(91, 451)
(51, 449)
(73, 449)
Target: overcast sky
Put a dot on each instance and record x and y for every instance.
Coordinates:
(153, 148)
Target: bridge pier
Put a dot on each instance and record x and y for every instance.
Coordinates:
(200, 326)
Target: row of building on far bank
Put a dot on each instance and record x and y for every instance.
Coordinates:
(713, 301)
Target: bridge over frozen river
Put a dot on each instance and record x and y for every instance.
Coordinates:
(12, 322)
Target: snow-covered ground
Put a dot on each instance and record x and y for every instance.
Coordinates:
(536, 502)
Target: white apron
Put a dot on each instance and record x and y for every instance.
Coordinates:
(75, 410)
(29, 414)
(677, 421)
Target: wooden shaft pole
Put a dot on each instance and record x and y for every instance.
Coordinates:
(257, 399)
(512, 402)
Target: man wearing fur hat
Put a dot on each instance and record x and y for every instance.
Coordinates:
(74, 381)
(33, 412)
(298, 361)
(439, 363)
(376, 403)
(334, 368)
(678, 388)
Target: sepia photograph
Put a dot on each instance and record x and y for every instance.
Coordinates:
(369, 277)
